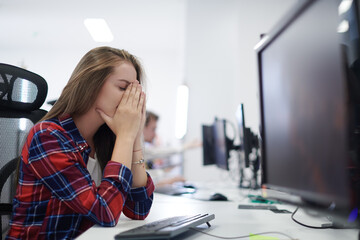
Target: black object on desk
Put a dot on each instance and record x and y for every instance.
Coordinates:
(218, 197)
(166, 228)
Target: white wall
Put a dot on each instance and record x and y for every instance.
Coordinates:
(49, 38)
(221, 67)
(206, 43)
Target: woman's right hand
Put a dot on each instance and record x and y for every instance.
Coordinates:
(127, 118)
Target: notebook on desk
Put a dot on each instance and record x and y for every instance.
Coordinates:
(166, 228)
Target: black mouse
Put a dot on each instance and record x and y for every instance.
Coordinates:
(189, 186)
(218, 197)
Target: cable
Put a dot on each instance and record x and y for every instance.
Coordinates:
(305, 225)
(244, 236)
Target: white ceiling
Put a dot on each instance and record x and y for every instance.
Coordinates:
(48, 24)
(49, 37)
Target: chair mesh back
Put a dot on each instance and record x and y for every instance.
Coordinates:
(13, 132)
(22, 93)
(21, 89)
(20, 86)
(12, 136)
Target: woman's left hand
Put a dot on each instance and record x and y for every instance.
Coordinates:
(138, 139)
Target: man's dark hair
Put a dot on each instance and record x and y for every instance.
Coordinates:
(150, 116)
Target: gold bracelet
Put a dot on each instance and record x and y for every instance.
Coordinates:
(139, 162)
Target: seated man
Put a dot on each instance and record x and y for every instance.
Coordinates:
(155, 156)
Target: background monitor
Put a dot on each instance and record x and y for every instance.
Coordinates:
(304, 110)
(244, 134)
(208, 145)
(216, 145)
(221, 144)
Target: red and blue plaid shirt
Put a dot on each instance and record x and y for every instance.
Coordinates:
(56, 197)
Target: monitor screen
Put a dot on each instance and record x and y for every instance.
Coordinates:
(221, 144)
(303, 105)
(208, 145)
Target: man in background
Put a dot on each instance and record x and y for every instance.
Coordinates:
(158, 157)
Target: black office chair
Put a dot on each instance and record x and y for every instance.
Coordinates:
(22, 93)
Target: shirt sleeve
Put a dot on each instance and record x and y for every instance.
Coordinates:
(57, 162)
(139, 200)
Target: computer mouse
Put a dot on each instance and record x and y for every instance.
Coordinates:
(187, 185)
(218, 197)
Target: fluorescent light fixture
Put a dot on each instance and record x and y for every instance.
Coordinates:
(98, 29)
(344, 6)
(181, 111)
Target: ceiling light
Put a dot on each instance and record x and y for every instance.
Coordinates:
(98, 29)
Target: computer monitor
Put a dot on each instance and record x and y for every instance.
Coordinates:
(221, 144)
(304, 106)
(208, 145)
(216, 144)
(248, 144)
(244, 134)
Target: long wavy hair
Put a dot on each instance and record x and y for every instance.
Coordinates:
(83, 88)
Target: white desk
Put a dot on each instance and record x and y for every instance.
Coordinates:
(229, 220)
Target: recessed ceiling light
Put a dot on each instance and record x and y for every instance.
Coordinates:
(98, 29)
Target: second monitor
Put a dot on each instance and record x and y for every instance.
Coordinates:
(216, 144)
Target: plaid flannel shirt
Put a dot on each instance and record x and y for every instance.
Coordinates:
(56, 197)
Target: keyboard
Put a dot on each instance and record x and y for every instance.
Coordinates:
(174, 190)
(166, 228)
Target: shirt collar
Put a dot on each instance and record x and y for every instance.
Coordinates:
(68, 124)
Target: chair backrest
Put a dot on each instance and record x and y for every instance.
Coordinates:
(22, 93)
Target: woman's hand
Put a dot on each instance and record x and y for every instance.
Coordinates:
(127, 119)
(139, 136)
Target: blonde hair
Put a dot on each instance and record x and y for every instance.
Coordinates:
(87, 79)
(83, 88)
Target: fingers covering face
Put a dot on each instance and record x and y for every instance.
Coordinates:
(141, 105)
(126, 96)
(134, 96)
(137, 92)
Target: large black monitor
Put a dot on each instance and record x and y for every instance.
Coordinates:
(305, 108)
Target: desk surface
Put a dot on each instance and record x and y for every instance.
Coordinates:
(229, 220)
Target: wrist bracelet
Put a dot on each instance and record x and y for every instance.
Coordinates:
(139, 162)
(137, 150)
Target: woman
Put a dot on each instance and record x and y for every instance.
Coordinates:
(101, 114)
